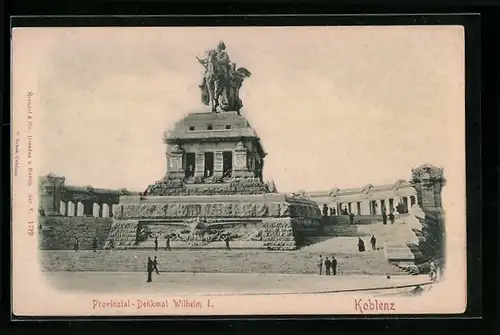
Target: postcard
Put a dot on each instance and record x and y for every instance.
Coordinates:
(238, 171)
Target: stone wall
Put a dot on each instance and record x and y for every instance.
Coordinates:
(216, 210)
(276, 221)
(122, 233)
(59, 233)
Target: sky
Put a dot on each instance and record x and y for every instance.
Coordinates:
(333, 106)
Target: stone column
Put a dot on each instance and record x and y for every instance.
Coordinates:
(101, 209)
(218, 164)
(428, 181)
(199, 169)
(365, 207)
(62, 208)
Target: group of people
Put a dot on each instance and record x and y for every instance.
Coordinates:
(152, 266)
(95, 241)
(328, 264)
(385, 216)
(435, 269)
(167, 243)
(361, 243)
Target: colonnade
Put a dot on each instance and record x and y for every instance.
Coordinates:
(400, 204)
(86, 208)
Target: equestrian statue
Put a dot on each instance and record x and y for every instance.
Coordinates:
(220, 87)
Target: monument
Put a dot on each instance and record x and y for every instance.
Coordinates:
(213, 189)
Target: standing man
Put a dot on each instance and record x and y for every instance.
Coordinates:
(432, 272)
(351, 218)
(391, 217)
(320, 264)
(77, 244)
(328, 264)
(150, 270)
(334, 266)
(155, 265)
(94, 244)
(156, 243)
(384, 218)
(227, 242)
(373, 241)
(167, 243)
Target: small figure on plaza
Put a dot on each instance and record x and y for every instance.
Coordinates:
(155, 265)
(328, 265)
(77, 244)
(167, 243)
(221, 83)
(94, 244)
(432, 271)
(320, 264)
(334, 266)
(150, 269)
(391, 217)
(373, 241)
(361, 245)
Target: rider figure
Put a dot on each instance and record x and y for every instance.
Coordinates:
(222, 59)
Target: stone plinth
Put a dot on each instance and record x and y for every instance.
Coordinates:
(277, 221)
(50, 189)
(428, 181)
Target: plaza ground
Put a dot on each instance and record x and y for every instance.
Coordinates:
(232, 284)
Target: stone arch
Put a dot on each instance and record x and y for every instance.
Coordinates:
(95, 210)
(79, 209)
(71, 208)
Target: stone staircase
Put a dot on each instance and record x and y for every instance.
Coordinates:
(59, 232)
(397, 242)
(216, 261)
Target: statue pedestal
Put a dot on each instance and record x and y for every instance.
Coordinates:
(272, 221)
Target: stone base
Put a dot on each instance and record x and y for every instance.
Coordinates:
(239, 184)
(276, 221)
